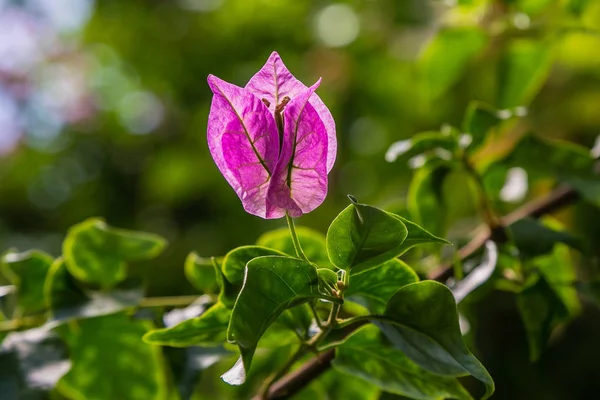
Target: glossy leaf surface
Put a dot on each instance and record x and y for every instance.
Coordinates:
(364, 355)
(362, 237)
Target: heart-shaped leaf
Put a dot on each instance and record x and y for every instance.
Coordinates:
(365, 356)
(272, 285)
(208, 329)
(27, 272)
(363, 237)
(97, 253)
(423, 323)
(379, 284)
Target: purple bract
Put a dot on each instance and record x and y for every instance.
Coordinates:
(274, 141)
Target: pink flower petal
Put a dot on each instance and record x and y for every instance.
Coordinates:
(274, 81)
(299, 184)
(243, 141)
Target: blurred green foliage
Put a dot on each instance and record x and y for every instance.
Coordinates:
(131, 146)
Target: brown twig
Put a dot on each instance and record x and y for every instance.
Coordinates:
(296, 380)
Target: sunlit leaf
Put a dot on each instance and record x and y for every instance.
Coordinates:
(365, 356)
(272, 285)
(235, 261)
(208, 329)
(97, 253)
(110, 361)
(313, 244)
(379, 284)
(362, 237)
(27, 271)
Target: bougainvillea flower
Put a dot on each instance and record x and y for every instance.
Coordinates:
(274, 141)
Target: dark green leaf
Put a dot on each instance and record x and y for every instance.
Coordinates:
(577, 6)
(425, 201)
(379, 284)
(445, 58)
(110, 361)
(420, 143)
(362, 237)
(567, 162)
(541, 310)
(524, 66)
(200, 272)
(424, 325)
(534, 238)
(208, 329)
(97, 253)
(27, 271)
(272, 285)
(479, 120)
(313, 244)
(365, 356)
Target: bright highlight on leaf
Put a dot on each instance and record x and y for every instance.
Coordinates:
(274, 141)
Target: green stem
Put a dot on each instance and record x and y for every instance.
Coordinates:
(489, 215)
(297, 247)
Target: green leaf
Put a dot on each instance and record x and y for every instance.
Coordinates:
(379, 284)
(313, 244)
(200, 272)
(272, 285)
(532, 7)
(577, 7)
(417, 235)
(98, 253)
(567, 162)
(110, 361)
(364, 355)
(423, 323)
(235, 261)
(524, 66)
(534, 238)
(227, 291)
(444, 60)
(67, 301)
(420, 143)
(541, 310)
(479, 120)
(362, 237)
(425, 200)
(208, 329)
(549, 297)
(27, 271)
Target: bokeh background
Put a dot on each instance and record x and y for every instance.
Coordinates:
(103, 110)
